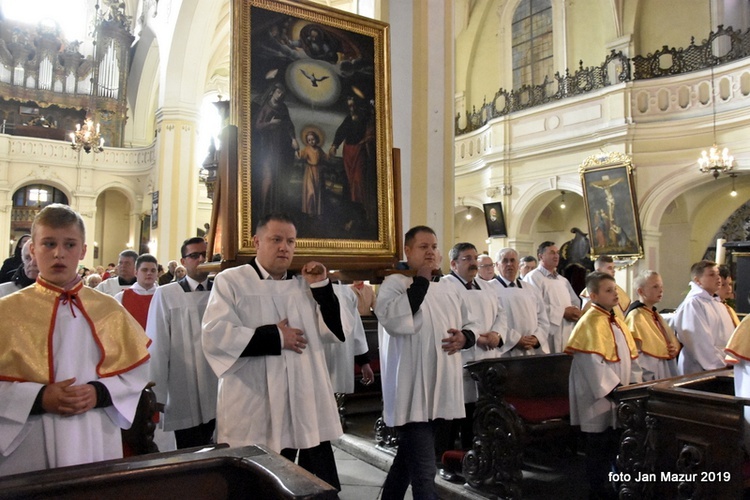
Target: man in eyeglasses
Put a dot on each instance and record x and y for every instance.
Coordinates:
(185, 382)
(486, 268)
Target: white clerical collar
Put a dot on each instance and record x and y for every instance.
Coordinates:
(142, 291)
(265, 274)
(194, 284)
(696, 289)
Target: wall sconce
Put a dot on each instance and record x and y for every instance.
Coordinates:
(562, 201)
(96, 250)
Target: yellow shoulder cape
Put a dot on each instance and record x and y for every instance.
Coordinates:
(593, 334)
(643, 327)
(30, 314)
(739, 343)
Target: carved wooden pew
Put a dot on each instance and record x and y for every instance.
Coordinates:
(682, 438)
(223, 473)
(520, 400)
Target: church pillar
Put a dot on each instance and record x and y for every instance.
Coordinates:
(176, 180)
(523, 247)
(84, 202)
(6, 202)
(422, 93)
(650, 259)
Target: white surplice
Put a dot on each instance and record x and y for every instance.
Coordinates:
(33, 442)
(420, 381)
(340, 356)
(592, 378)
(111, 286)
(185, 382)
(137, 289)
(484, 310)
(557, 294)
(742, 390)
(8, 288)
(283, 401)
(525, 315)
(704, 326)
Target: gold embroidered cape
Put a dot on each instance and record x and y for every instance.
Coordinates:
(593, 334)
(645, 326)
(739, 343)
(29, 317)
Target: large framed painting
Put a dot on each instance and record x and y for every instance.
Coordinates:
(611, 206)
(311, 101)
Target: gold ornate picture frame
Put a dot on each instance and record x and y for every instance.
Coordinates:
(611, 206)
(311, 101)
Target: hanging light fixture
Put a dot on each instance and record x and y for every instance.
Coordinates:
(733, 193)
(562, 201)
(87, 135)
(714, 161)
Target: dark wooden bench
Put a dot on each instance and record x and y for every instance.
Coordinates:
(521, 400)
(690, 431)
(223, 473)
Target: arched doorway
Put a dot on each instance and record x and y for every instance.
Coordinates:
(27, 202)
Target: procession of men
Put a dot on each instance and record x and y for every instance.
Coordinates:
(247, 356)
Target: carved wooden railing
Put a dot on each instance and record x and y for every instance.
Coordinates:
(616, 68)
(493, 465)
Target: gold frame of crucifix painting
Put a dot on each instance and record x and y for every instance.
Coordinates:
(611, 206)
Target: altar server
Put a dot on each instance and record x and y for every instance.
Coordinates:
(738, 355)
(341, 357)
(73, 362)
(604, 358)
(263, 334)
(562, 303)
(423, 324)
(185, 383)
(657, 343)
(524, 309)
(702, 322)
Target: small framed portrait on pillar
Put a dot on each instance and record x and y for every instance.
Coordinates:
(493, 216)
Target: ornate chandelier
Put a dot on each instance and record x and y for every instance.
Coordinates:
(711, 161)
(87, 137)
(715, 163)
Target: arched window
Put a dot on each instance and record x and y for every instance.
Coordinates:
(532, 42)
(38, 196)
(27, 202)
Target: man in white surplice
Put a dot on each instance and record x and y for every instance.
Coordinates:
(263, 334)
(524, 309)
(341, 358)
(184, 380)
(485, 311)
(702, 322)
(562, 303)
(423, 324)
